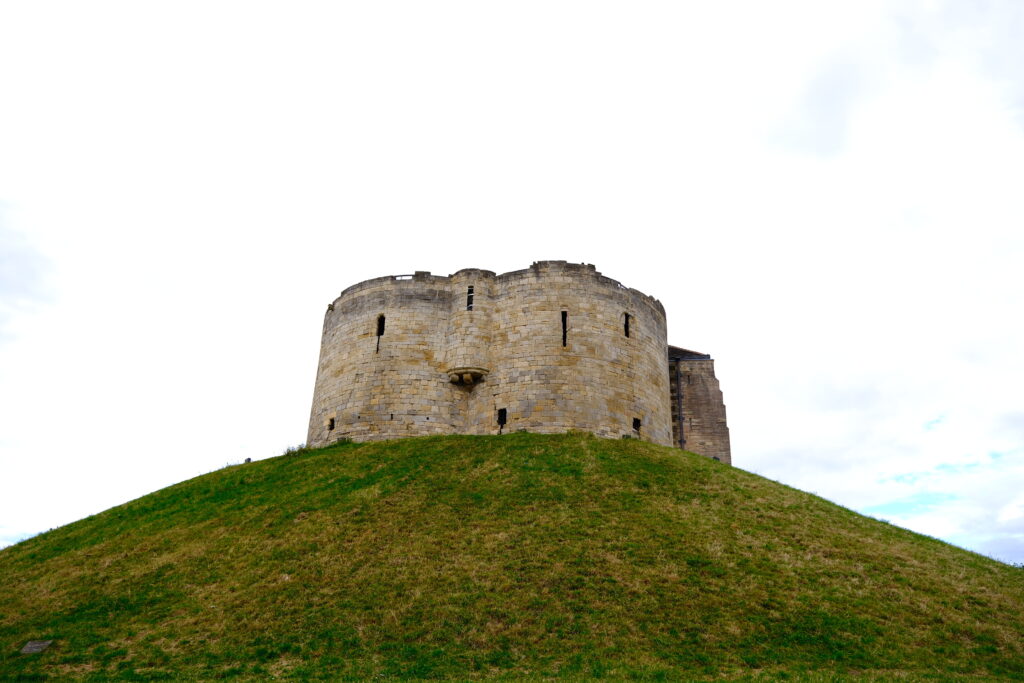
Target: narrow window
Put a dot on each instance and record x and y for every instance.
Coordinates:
(380, 330)
(502, 419)
(330, 425)
(636, 424)
(565, 321)
(469, 299)
(625, 326)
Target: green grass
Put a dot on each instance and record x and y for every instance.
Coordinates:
(516, 556)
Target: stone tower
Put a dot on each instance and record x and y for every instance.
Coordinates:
(547, 349)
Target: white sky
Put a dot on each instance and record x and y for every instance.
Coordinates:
(826, 196)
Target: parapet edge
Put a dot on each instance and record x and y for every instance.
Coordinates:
(536, 268)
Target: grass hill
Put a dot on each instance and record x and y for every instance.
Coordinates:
(516, 556)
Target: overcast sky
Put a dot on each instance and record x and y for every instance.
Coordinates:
(826, 196)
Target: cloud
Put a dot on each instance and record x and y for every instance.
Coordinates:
(1006, 547)
(911, 505)
(985, 35)
(10, 535)
(819, 126)
(1012, 511)
(1011, 425)
(23, 275)
(974, 503)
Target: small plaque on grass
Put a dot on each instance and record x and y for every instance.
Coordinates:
(35, 646)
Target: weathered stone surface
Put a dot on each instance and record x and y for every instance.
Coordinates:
(34, 647)
(698, 411)
(422, 354)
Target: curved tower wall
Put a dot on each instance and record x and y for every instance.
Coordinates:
(372, 386)
(440, 367)
(599, 380)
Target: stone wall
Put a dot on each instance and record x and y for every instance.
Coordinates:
(440, 367)
(698, 409)
(554, 347)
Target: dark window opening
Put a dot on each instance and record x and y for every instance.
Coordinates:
(469, 299)
(565, 322)
(625, 326)
(687, 379)
(380, 330)
(636, 424)
(502, 419)
(330, 425)
(392, 416)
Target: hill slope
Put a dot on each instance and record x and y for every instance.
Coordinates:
(517, 555)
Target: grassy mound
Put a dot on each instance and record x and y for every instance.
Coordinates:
(522, 556)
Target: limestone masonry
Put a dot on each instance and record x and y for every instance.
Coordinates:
(555, 347)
